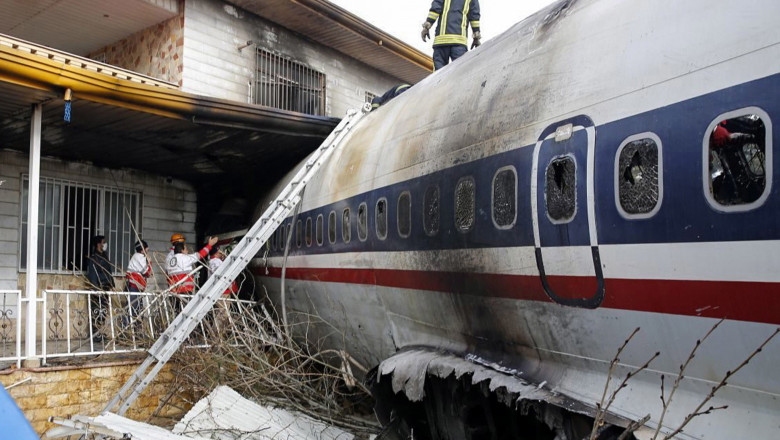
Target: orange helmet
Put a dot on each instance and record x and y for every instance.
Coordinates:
(177, 238)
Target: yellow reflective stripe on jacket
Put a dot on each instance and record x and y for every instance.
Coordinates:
(464, 20)
(475, 24)
(433, 15)
(443, 20)
(450, 39)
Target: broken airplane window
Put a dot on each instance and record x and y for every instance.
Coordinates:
(287, 235)
(318, 230)
(431, 210)
(464, 204)
(637, 176)
(737, 150)
(308, 231)
(298, 234)
(380, 215)
(362, 222)
(560, 189)
(346, 226)
(405, 214)
(505, 198)
(332, 227)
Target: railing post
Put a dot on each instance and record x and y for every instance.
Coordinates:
(31, 285)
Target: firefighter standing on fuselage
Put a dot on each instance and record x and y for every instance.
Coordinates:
(451, 35)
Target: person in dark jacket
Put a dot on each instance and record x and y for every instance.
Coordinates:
(99, 274)
(451, 34)
(390, 94)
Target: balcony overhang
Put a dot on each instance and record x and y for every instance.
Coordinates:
(127, 123)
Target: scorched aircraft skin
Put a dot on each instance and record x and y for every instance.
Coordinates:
(532, 203)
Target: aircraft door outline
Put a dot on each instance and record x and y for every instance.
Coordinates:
(569, 142)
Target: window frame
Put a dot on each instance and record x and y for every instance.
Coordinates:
(365, 228)
(299, 233)
(493, 194)
(473, 205)
(376, 218)
(319, 230)
(576, 187)
(616, 178)
(768, 159)
(348, 237)
(398, 214)
(425, 210)
(308, 232)
(332, 220)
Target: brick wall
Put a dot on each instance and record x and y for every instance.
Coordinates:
(155, 51)
(85, 390)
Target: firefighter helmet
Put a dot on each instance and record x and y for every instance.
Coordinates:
(177, 238)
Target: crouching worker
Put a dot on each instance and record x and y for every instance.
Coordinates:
(139, 269)
(390, 94)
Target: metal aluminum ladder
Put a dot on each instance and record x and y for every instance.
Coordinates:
(200, 304)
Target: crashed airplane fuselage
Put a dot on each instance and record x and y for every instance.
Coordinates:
(601, 166)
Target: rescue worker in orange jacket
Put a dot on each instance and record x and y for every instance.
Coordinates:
(451, 34)
(181, 265)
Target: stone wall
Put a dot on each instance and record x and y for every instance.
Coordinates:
(85, 390)
(155, 51)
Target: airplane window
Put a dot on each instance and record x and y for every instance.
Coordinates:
(362, 222)
(298, 234)
(431, 210)
(505, 198)
(287, 231)
(464, 204)
(637, 174)
(380, 215)
(308, 231)
(346, 226)
(318, 230)
(737, 157)
(560, 189)
(405, 214)
(332, 227)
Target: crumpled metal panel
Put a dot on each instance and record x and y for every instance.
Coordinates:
(409, 369)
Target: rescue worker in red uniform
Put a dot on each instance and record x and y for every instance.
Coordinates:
(181, 265)
(139, 269)
(451, 35)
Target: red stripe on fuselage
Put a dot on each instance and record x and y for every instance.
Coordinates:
(743, 301)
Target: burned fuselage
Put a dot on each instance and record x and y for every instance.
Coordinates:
(601, 166)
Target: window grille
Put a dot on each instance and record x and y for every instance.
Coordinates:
(288, 85)
(70, 214)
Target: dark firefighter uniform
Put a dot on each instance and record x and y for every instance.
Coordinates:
(390, 94)
(451, 34)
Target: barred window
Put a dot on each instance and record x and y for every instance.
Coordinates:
(70, 214)
(288, 85)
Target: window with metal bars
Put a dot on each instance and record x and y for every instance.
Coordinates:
(288, 85)
(70, 214)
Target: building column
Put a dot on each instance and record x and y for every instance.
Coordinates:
(31, 285)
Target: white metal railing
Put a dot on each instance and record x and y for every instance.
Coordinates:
(88, 323)
(84, 63)
(11, 302)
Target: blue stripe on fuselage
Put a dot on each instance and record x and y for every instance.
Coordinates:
(685, 215)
